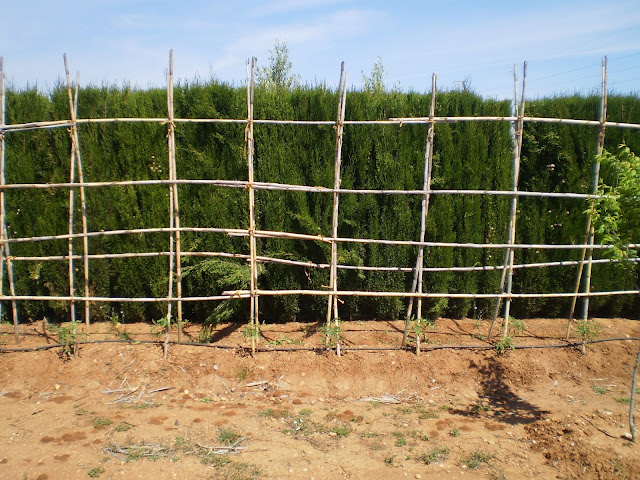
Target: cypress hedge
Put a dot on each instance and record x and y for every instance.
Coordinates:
(555, 158)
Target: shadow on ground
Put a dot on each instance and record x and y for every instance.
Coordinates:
(499, 401)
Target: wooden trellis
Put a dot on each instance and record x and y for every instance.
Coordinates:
(253, 232)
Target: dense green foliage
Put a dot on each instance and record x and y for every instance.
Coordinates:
(466, 156)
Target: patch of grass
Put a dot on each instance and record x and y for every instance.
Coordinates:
(369, 435)
(305, 412)
(122, 427)
(415, 434)
(455, 432)
(242, 372)
(401, 440)
(143, 405)
(479, 407)
(341, 431)
(274, 413)
(242, 471)
(428, 414)
(388, 460)
(622, 399)
(435, 455)
(95, 472)
(101, 422)
(206, 400)
(82, 411)
(476, 459)
(214, 460)
(445, 407)
(598, 390)
(227, 436)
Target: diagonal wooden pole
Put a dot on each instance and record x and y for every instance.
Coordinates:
(332, 305)
(426, 186)
(75, 147)
(589, 235)
(507, 271)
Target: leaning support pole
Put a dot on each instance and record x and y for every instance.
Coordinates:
(173, 175)
(426, 186)
(75, 146)
(507, 272)
(332, 304)
(4, 234)
(253, 263)
(589, 235)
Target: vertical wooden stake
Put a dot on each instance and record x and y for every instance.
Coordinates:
(511, 236)
(4, 234)
(171, 205)
(426, 186)
(589, 235)
(72, 179)
(75, 148)
(173, 174)
(253, 264)
(332, 304)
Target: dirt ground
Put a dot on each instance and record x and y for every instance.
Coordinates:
(123, 411)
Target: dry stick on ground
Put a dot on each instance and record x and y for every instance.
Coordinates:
(428, 165)
(507, 273)
(253, 266)
(4, 233)
(75, 146)
(589, 235)
(332, 303)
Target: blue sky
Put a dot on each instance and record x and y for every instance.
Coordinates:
(116, 41)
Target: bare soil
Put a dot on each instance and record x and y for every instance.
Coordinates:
(122, 410)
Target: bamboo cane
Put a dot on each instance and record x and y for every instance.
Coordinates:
(72, 175)
(237, 294)
(269, 186)
(509, 255)
(171, 139)
(254, 321)
(75, 146)
(172, 218)
(4, 234)
(395, 121)
(428, 166)
(594, 188)
(332, 305)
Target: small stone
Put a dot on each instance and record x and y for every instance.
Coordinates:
(216, 367)
(418, 475)
(333, 434)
